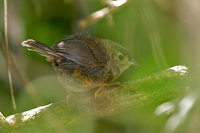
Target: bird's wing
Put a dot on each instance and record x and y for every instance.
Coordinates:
(83, 49)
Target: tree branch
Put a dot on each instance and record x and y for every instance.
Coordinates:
(154, 89)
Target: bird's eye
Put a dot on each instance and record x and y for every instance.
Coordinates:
(121, 57)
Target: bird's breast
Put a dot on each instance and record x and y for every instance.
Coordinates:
(79, 78)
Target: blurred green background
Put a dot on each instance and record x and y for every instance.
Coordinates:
(158, 34)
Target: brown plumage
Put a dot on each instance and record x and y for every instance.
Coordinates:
(83, 61)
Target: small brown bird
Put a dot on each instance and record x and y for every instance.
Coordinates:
(83, 61)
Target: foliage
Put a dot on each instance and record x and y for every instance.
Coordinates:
(158, 34)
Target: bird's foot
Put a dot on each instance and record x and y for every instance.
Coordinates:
(102, 86)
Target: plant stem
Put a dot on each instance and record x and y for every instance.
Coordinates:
(7, 53)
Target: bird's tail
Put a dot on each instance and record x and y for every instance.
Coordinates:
(39, 47)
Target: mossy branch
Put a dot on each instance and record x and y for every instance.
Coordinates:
(154, 89)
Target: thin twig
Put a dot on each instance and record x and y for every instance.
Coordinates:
(112, 6)
(7, 53)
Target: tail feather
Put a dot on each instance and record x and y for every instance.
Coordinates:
(36, 46)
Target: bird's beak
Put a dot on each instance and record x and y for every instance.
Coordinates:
(134, 63)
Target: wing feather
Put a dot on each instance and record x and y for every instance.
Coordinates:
(83, 49)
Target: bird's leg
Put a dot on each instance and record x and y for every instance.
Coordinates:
(102, 86)
(68, 95)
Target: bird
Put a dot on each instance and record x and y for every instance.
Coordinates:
(84, 62)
